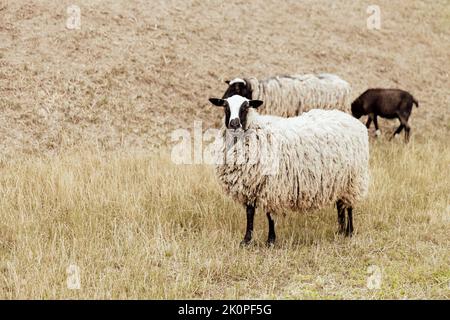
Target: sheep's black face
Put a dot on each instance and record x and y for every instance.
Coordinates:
(238, 87)
(236, 110)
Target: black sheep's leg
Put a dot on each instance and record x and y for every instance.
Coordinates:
(272, 236)
(375, 122)
(349, 231)
(249, 231)
(399, 129)
(407, 130)
(369, 121)
(341, 216)
(404, 121)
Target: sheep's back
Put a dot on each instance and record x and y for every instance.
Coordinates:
(292, 95)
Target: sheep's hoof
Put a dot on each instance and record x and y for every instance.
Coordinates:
(349, 233)
(377, 133)
(245, 243)
(271, 242)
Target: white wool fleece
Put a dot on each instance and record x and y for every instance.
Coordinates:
(292, 95)
(322, 156)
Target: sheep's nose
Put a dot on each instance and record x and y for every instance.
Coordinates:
(235, 123)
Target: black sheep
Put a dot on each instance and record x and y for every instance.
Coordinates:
(386, 103)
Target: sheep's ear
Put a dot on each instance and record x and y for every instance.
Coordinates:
(217, 102)
(255, 103)
(227, 82)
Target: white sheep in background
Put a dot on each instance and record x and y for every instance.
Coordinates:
(292, 95)
(322, 158)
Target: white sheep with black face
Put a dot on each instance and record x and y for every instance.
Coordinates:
(291, 95)
(321, 158)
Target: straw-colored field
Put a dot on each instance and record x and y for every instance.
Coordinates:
(141, 227)
(88, 191)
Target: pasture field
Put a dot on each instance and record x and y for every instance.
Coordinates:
(92, 205)
(138, 226)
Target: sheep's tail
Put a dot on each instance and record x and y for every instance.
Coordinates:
(415, 102)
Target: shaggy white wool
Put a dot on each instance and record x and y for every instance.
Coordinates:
(292, 95)
(320, 157)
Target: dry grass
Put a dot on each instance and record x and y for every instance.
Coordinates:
(141, 227)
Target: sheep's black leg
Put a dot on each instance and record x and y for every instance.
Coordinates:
(369, 121)
(407, 132)
(375, 122)
(341, 216)
(349, 231)
(272, 236)
(399, 129)
(249, 231)
(404, 124)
